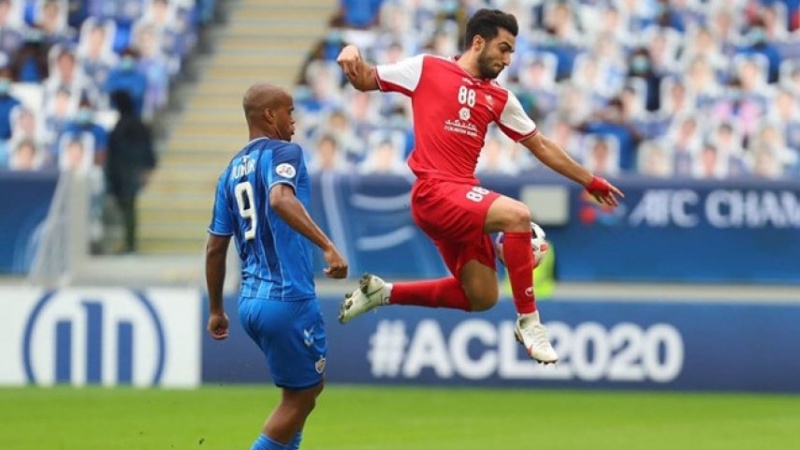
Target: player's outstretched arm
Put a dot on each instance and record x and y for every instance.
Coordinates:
(554, 157)
(216, 252)
(360, 73)
(292, 211)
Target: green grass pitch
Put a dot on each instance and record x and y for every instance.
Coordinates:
(384, 418)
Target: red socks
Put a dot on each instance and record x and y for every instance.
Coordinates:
(447, 292)
(441, 293)
(519, 262)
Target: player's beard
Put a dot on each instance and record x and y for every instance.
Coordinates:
(486, 66)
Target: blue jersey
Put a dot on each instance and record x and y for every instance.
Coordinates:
(276, 260)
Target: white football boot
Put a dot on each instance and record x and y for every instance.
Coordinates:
(533, 336)
(371, 293)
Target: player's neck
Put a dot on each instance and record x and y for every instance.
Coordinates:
(257, 134)
(468, 63)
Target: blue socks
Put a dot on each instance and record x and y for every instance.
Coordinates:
(295, 444)
(265, 443)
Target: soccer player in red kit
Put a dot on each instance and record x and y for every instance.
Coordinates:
(454, 100)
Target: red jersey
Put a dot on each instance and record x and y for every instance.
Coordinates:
(452, 112)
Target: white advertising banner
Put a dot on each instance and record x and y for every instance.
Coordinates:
(101, 336)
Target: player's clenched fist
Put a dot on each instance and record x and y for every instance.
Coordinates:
(603, 191)
(337, 266)
(218, 325)
(349, 59)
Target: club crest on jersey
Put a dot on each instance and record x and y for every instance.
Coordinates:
(464, 114)
(490, 100)
(319, 366)
(285, 170)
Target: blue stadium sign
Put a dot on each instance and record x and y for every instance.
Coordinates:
(602, 344)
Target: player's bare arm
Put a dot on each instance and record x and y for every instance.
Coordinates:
(554, 157)
(360, 73)
(216, 252)
(288, 208)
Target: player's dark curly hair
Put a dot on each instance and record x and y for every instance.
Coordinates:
(486, 22)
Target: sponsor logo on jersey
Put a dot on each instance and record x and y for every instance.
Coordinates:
(457, 126)
(464, 114)
(308, 337)
(286, 170)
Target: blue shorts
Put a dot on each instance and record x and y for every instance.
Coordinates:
(292, 337)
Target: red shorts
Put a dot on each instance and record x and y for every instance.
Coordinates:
(453, 216)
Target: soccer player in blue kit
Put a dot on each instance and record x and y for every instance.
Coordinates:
(262, 199)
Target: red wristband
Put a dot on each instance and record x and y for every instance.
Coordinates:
(598, 185)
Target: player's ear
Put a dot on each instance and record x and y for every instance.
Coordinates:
(478, 42)
(269, 115)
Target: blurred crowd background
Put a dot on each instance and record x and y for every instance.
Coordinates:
(82, 85)
(661, 88)
(700, 89)
(66, 57)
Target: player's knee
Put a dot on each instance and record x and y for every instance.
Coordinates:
(304, 401)
(519, 218)
(311, 398)
(306, 405)
(312, 403)
(481, 296)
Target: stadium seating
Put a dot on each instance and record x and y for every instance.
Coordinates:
(60, 60)
(269, 42)
(63, 56)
